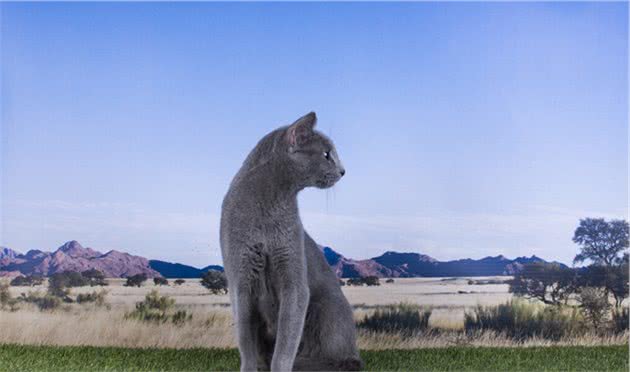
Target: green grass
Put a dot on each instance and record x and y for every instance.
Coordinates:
(574, 358)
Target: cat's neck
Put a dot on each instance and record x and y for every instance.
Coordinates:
(272, 184)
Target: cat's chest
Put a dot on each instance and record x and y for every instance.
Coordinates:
(279, 228)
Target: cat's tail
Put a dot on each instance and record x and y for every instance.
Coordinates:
(322, 364)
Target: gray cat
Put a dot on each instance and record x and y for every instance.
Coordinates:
(289, 311)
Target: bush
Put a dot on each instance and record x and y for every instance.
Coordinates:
(595, 305)
(355, 281)
(405, 319)
(5, 295)
(98, 298)
(42, 301)
(160, 281)
(27, 281)
(179, 281)
(389, 281)
(521, 320)
(215, 281)
(156, 308)
(341, 283)
(136, 280)
(180, 317)
(6, 299)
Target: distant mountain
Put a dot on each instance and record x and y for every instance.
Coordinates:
(7, 253)
(177, 270)
(409, 265)
(349, 268)
(71, 256)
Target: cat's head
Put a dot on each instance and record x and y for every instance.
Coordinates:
(312, 155)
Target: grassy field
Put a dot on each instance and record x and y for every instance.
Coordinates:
(211, 323)
(576, 358)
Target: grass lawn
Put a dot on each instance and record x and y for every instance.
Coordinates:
(71, 358)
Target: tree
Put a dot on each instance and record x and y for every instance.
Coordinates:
(30, 280)
(215, 281)
(550, 283)
(158, 280)
(58, 284)
(136, 280)
(371, 281)
(600, 241)
(94, 277)
(618, 282)
(604, 243)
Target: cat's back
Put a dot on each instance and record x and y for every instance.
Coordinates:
(245, 209)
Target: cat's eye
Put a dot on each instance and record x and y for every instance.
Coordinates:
(327, 155)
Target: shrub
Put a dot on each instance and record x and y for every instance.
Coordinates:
(405, 319)
(5, 295)
(371, 281)
(620, 319)
(98, 298)
(215, 281)
(595, 305)
(355, 281)
(42, 301)
(521, 320)
(341, 283)
(27, 281)
(156, 308)
(179, 281)
(158, 280)
(6, 299)
(136, 280)
(180, 317)
(389, 281)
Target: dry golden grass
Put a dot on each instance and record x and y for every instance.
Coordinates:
(211, 324)
(382, 341)
(101, 327)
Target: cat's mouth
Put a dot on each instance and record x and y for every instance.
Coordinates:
(326, 182)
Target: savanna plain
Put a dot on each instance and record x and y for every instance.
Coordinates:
(428, 333)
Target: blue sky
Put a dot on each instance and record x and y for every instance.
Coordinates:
(466, 129)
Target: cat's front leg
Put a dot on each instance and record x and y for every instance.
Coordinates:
(247, 329)
(293, 294)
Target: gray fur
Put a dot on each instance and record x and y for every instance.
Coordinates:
(288, 308)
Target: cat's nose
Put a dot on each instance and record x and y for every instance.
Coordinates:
(343, 172)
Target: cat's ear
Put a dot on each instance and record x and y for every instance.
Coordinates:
(299, 132)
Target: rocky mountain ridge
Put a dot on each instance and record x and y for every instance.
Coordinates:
(72, 256)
